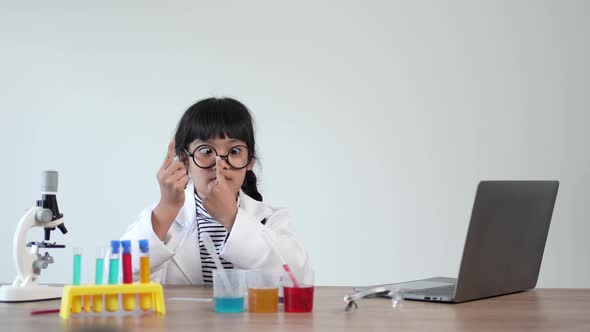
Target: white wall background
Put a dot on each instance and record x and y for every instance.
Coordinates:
(375, 120)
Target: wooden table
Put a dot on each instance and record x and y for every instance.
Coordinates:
(536, 310)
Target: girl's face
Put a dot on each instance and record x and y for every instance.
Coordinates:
(205, 152)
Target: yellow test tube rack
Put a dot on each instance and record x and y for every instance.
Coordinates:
(72, 295)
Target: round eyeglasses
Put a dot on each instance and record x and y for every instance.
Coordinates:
(238, 156)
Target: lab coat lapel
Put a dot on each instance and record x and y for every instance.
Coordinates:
(186, 224)
(185, 254)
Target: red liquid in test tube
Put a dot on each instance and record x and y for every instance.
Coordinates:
(128, 299)
(127, 274)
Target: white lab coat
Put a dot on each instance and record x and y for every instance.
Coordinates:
(176, 260)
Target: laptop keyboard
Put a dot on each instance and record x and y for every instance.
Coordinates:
(448, 290)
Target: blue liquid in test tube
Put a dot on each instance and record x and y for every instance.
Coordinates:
(113, 300)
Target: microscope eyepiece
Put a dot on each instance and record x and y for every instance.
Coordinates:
(49, 201)
(49, 182)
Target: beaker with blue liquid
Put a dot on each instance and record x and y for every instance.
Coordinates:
(229, 290)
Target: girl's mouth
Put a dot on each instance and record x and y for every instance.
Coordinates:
(215, 179)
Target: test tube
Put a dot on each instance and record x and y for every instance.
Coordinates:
(112, 301)
(98, 274)
(128, 299)
(145, 300)
(77, 300)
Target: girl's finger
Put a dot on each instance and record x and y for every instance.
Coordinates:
(176, 166)
(218, 171)
(169, 154)
(178, 175)
(211, 185)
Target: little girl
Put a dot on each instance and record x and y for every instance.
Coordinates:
(210, 188)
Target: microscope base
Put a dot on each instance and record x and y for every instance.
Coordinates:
(9, 293)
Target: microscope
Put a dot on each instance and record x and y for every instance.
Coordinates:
(28, 261)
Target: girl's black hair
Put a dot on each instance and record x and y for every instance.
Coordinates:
(218, 118)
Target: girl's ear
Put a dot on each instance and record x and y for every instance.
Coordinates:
(251, 164)
(182, 156)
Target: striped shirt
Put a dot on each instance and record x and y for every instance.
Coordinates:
(218, 233)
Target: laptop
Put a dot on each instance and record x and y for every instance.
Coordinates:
(504, 245)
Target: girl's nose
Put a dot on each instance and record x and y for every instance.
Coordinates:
(223, 161)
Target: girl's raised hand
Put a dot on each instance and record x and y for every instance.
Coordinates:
(220, 199)
(173, 179)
